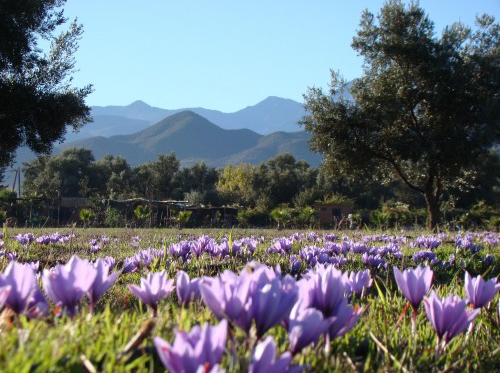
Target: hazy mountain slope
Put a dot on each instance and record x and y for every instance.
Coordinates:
(189, 134)
(270, 115)
(108, 125)
(277, 143)
(100, 146)
(194, 139)
(138, 110)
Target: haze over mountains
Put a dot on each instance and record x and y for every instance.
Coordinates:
(270, 115)
(194, 139)
(139, 132)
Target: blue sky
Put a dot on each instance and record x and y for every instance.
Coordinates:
(226, 54)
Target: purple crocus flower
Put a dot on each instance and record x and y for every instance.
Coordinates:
(305, 326)
(480, 292)
(226, 295)
(25, 238)
(271, 301)
(95, 246)
(187, 290)
(260, 297)
(324, 289)
(110, 261)
(425, 256)
(179, 250)
(360, 281)
(449, 316)
(414, 283)
(66, 284)
(153, 288)
(103, 281)
(131, 264)
(374, 260)
(25, 295)
(264, 359)
(201, 347)
(295, 263)
(345, 319)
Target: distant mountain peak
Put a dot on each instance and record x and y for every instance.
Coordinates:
(139, 104)
(186, 114)
(276, 98)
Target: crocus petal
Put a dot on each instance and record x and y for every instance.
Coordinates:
(4, 293)
(103, 281)
(264, 358)
(23, 284)
(306, 327)
(414, 283)
(169, 360)
(480, 292)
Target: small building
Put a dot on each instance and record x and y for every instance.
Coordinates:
(333, 214)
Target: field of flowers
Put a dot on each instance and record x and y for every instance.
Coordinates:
(83, 300)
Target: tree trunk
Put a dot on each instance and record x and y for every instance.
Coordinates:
(432, 209)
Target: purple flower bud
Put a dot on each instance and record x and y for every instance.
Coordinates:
(65, 285)
(360, 281)
(102, 282)
(488, 260)
(414, 283)
(344, 319)
(480, 292)
(272, 302)
(226, 295)
(130, 264)
(201, 347)
(295, 264)
(305, 327)
(153, 288)
(25, 295)
(325, 289)
(264, 358)
(449, 316)
(187, 290)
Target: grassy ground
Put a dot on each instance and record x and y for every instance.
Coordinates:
(382, 340)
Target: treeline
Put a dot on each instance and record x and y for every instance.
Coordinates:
(280, 183)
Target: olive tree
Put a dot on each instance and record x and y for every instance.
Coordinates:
(425, 110)
(37, 100)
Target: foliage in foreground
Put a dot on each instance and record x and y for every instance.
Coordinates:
(119, 334)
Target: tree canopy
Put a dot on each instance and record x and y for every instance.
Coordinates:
(37, 101)
(426, 109)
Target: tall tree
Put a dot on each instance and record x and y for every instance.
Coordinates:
(37, 101)
(114, 175)
(235, 184)
(166, 167)
(69, 174)
(426, 108)
(286, 177)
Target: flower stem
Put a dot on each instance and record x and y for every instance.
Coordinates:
(327, 345)
(414, 323)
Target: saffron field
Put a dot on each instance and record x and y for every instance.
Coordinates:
(117, 300)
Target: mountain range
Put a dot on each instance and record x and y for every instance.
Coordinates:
(270, 115)
(194, 138)
(139, 132)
